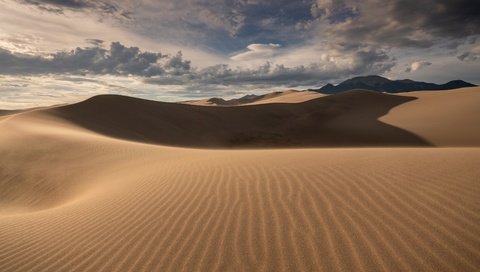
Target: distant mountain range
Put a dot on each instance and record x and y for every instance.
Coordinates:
(381, 84)
(249, 98)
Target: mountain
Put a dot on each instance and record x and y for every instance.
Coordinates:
(381, 84)
(249, 98)
(246, 99)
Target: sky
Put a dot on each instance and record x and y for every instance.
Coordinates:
(55, 52)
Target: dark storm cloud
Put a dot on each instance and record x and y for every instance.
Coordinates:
(402, 23)
(262, 16)
(118, 59)
(451, 18)
(334, 11)
(177, 65)
(226, 25)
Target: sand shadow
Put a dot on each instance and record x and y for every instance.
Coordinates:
(348, 119)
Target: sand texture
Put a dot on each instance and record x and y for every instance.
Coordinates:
(77, 195)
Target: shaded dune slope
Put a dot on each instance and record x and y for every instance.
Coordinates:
(347, 119)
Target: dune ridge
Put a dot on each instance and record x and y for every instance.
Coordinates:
(347, 119)
(73, 199)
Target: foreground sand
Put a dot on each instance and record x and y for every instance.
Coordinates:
(75, 200)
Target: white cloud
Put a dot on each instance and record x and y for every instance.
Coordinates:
(257, 51)
(417, 65)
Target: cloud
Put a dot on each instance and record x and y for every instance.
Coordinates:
(175, 70)
(398, 23)
(262, 47)
(229, 26)
(118, 59)
(257, 50)
(224, 25)
(278, 74)
(59, 7)
(21, 43)
(176, 65)
(95, 42)
(73, 4)
(334, 11)
(472, 55)
(417, 65)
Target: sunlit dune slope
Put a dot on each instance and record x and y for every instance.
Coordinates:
(288, 97)
(444, 118)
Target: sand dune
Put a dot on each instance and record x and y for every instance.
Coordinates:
(347, 119)
(445, 118)
(72, 199)
(439, 118)
(288, 97)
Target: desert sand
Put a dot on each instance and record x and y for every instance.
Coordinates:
(445, 118)
(122, 184)
(289, 97)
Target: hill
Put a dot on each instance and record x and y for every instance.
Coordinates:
(381, 84)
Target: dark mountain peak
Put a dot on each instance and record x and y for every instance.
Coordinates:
(249, 98)
(405, 81)
(460, 83)
(216, 100)
(381, 84)
(367, 80)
